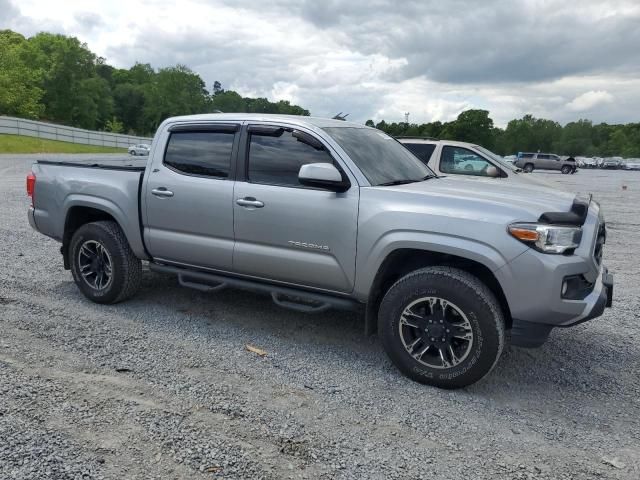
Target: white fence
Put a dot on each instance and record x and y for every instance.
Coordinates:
(31, 128)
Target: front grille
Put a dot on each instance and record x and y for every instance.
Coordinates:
(600, 241)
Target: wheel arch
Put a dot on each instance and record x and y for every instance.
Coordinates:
(402, 261)
(79, 212)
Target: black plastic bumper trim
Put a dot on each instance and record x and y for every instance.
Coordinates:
(529, 334)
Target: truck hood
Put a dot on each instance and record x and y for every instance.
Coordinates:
(523, 200)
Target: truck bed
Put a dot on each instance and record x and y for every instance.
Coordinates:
(109, 185)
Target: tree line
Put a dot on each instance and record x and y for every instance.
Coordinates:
(57, 78)
(528, 134)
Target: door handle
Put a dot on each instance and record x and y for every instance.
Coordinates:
(249, 202)
(162, 192)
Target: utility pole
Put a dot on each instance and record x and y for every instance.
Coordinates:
(406, 118)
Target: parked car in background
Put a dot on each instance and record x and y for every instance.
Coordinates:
(587, 162)
(140, 149)
(612, 162)
(448, 157)
(323, 213)
(510, 158)
(545, 161)
(632, 164)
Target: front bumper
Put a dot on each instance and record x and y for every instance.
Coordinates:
(533, 334)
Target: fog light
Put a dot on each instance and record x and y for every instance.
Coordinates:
(576, 287)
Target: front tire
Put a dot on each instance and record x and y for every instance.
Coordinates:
(103, 265)
(442, 326)
(566, 169)
(132, 153)
(528, 168)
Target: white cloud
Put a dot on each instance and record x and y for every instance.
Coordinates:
(589, 100)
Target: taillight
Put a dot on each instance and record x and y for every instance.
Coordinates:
(31, 186)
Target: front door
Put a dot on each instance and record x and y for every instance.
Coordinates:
(285, 231)
(189, 198)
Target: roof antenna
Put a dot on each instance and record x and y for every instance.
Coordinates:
(340, 116)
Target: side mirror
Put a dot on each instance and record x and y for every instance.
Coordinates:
(492, 171)
(323, 175)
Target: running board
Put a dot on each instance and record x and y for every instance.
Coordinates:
(286, 297)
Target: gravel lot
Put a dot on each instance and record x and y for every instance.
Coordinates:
(162, 387)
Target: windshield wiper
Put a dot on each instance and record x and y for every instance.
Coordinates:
(396, 182)
(405, 181)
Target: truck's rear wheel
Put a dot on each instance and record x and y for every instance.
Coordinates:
(442, 326)
(528, 168)
(102, 263)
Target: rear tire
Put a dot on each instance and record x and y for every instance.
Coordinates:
(132, 153)
(103, 265)
(528, 167)
(442, 326)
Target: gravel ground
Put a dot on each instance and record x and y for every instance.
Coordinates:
(162, 387)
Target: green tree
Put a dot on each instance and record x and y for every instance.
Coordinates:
(114, 125)
(20, 80)
(576, 138)
(66, 63)
(473, 126)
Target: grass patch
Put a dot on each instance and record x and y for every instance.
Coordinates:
(22, 144)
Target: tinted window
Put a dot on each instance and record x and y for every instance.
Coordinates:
(380, 158)
(200, 153)
(463, 162)
(421, 150)
(542, 156)
(526, 155)
(276, 159)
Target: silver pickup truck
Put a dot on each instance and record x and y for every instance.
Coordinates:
(323, 213)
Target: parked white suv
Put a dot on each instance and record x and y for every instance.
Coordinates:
(448, 157)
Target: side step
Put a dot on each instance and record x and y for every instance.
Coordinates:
(286, 297)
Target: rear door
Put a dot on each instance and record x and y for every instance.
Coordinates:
(189, 197)
(543, 161)
(285, 231)
(555, 163)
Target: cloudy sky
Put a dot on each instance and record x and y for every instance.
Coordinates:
(374, 58)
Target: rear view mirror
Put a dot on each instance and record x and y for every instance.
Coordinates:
(323, 175)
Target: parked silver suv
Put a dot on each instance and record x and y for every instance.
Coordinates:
(545, 161)
(323, 213)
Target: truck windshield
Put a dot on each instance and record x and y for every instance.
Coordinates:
(380, 158)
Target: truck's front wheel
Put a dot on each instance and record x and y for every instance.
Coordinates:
(102, 263)
(442, 326)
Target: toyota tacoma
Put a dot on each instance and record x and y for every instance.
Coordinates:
(330, 214)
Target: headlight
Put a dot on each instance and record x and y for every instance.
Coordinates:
(547, 238)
